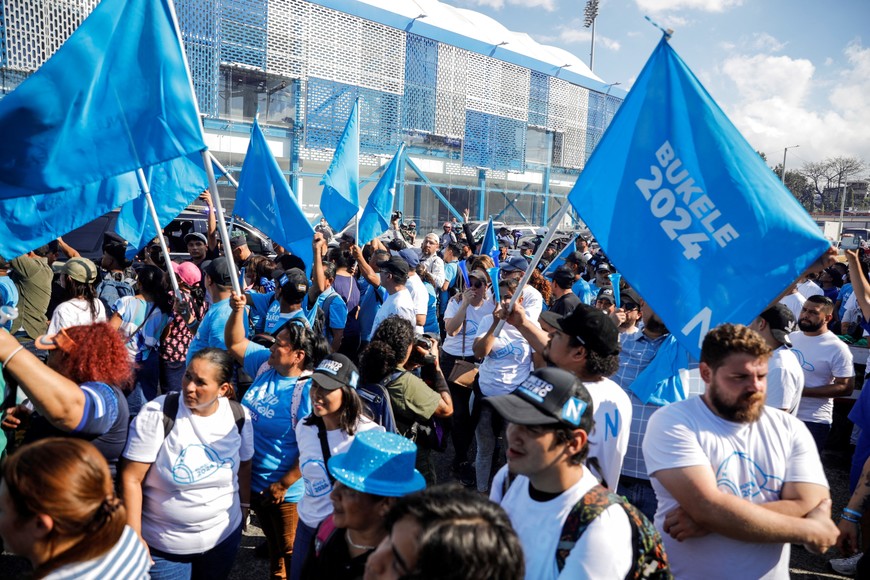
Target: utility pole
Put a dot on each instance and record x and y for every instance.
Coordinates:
(784, 153)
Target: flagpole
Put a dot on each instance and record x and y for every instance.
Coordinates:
(143, 185)
(357, 209)
(226, 173)
(551, 231)
(221, 224)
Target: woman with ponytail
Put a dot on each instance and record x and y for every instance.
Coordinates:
(59, 510)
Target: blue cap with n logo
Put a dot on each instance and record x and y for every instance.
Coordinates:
(549, 396)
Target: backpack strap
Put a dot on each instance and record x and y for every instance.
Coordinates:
(170, 411)
(589, 507)
(238, 415)
(324, 447)
(296, 400)
(324, 532)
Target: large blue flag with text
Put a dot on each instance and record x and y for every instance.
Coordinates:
(264, 200)
(339, 202)
(115, 97)
(174, 185)
(375, 218)
(687, 210)
(489, 243)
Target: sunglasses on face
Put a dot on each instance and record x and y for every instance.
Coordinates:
(477, 285)
(628, 306)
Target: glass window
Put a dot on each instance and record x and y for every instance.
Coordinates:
(242, 93)
(537, 145)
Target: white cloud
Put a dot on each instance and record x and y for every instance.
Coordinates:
(778, 101)
(579, 35)
(548, 5)
(659, 6)
(765, 42)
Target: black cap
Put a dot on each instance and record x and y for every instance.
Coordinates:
(336, 371)
(606, 294)
(604, 266)
(395, 264)
(589, 325)
(575, 258)
(781, 321)
(563, 276)
(548, 396)
(238, 239)
(629, 295)
(195, 236)
(293, 284)
(515, 264)
(219, 271)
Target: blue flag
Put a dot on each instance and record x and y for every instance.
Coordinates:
(174, 185)
(340, 200)
(563, 255)
(489, 243)
(115, 97)
(375, 218)
(264, 200)
(714, 235)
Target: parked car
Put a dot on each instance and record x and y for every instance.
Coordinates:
(88, 239)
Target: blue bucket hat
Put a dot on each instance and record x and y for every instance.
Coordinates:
(378, 463)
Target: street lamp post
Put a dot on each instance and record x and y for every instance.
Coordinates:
(784, 153)
(590, 13)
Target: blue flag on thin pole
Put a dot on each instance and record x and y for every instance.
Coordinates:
(339, 202)
(489, 243)
(726, 235)
(75, 123)
(264, 200)
(375, 218)
(174, 186)
(563, 255)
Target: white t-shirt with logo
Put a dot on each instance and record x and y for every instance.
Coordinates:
(749, 460)
(315, 504)
(604, 550)
(608, 441)
(822, 358)
(399, 303)
(507, 364)
(190, 497)
(785, 380)
(473, 316)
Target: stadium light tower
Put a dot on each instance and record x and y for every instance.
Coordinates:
(590, 14)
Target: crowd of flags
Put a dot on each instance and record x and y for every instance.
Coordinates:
(675, 196)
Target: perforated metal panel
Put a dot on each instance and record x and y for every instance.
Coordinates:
(539, 91)
(199, 23)
(421, 75)
(450, 94)
(566, 114)
(493, 142)
(243, 32)
(601, 110)
(288, 38)
(35, 30)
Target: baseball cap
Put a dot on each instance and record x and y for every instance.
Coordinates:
(606, 294)
(238, 239)
(347, 237)
(396, 265)
(336, 371)
(80, 270)
(293, 284)
(219, 271)
(562, 276)
(411, 256)
(189, 273)
(588, 325)
(503, 243)
(575, 258)
(116, 247)
(548, 396)
(527, 245)
(629, 295)
(514, 264)
(781, 321)
(604, 266)
(195, 236)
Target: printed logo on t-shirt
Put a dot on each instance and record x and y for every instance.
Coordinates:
(805, 364)
(197, 462)
(319, 485)
(510, 349)
(471, 328)
(740, 475)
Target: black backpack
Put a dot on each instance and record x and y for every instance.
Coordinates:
(321, 317)
(377, 401)
(170, 411)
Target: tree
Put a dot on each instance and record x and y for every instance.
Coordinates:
(798, 185)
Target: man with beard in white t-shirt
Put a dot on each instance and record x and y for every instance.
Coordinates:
(785, 377)
(736, 481)
(827, 365)
(586, 344)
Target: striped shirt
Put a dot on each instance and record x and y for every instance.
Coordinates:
(127, 559)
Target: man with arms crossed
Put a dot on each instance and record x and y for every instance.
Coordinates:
(736, 481)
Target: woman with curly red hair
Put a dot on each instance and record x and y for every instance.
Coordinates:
(77, 392)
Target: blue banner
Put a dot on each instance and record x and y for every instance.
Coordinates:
(264, 200)
(489, 243)
(714, 235)
(174, 185)
(339, 202)
(375, 218)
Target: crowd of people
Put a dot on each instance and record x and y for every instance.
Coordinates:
(143, 424)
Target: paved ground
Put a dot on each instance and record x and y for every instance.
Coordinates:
(804, 566)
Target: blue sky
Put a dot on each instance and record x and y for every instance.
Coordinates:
(786, 72)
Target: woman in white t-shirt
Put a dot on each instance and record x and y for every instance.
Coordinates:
(461, 322)
(187, 473)
(77, 277)
(507, 361)
(336, 417)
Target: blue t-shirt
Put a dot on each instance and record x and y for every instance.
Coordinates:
(8, 296)
(431, 324)
(337, 315)
(276, 404)
(211, 329)
(260, 305)
(843, 296)
(451, 270)
(371, 301)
